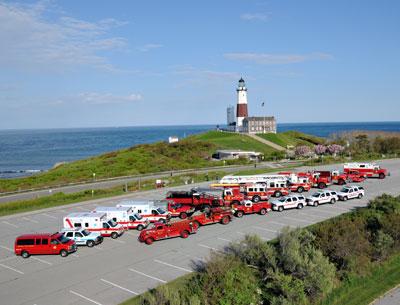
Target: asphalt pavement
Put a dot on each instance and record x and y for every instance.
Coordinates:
(119, 269)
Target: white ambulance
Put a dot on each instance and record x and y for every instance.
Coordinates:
(125, 217)
(146, 209)
(94, 222)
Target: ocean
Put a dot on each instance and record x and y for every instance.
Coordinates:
(24, 152)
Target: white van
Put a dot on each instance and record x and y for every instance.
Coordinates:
(146, 209)
(124, 216)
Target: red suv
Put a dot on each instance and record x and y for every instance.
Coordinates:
(45, 243)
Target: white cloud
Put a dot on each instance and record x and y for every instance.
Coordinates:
(94, 98)
(276, 59)
(255, 17)
(29, 41)
(149, 46)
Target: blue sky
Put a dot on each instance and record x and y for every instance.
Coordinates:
(128, 63)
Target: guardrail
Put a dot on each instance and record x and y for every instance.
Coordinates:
(157, 174)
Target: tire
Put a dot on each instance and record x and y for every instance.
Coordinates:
(239, 214)
(140, 227)
(280, 209)
(25, 254)
(277, 194)
(90, 243)
(196, 224)
(341, 182)
(300, 206)
(225, 220)
(382, 176)
(263, 211)
(149, 240)
(321, 185)
(316, 203)
(333, 200)
(114, 235)
(345, 198)
(360, 196)
(64, 253)
(184, 234)
(256, 198)
(300, 189)
(183, 215)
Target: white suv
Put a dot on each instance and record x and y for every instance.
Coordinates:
(320, 197)
(350, 192)
(289, 202)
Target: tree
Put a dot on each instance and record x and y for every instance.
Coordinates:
(362, 143)
(335, 149)
(302, 151)
(320, 149)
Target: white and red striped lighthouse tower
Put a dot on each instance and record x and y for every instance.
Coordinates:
(241, 110)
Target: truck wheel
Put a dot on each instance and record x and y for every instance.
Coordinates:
(183, 215)
(263, 211)
(300, 189)
(321, 185)
(256, 198)
(333, 200)
(316, 203)
(185, 234)
(149, 240)
(278, 194)
(90, 243)
(341, 182)
(239, 214)
(225, 220)
(114, 235)
(280, 209)
(381, 176)
(299, 206)
(360, 196)
(63, 253)
(25, 254)
(345, 198)
(196, 224)
(139, 227)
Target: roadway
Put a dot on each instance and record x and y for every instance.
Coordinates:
(122, 268)
(109, 183)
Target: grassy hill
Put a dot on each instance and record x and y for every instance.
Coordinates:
(292, 138)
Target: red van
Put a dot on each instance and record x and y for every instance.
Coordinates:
(44, 243)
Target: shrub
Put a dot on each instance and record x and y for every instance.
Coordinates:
(320, 149)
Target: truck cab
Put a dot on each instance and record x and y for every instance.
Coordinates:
(249, 207)
(83, 237)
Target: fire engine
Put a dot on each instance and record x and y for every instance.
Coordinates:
(146, 209)
(180, 210)
(298, 182)
(160, 230)
(124, 216)
(249, 207)
(215, 215)
(94, 222)
(198, 199)
(366, 169)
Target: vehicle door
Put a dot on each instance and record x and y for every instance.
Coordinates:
(352, 193)
(248, 207)
(79, 239)
(161, 232)
(294, 202)
(106, 228)
(323, 198)
(70, 235)
(54, 246)
(38, 247)
(287, 204)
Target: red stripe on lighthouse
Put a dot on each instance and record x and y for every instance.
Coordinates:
(241, 110)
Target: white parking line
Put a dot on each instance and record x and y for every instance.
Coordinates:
(265, 229)
(10, 268)
(10, 224)
(224, 239)
(211, 248)
(149, 276)
(6, 248)
(83, 297)
(31, 220)
(120, 287)
(50, 216)
(42, 261)
(296, 219)
(173, 266)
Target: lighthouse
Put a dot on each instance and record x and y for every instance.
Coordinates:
(241, 110)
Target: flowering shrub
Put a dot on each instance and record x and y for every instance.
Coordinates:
(335, 149)
(320, 149)
(302, 151)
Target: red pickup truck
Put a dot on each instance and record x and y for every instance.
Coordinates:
(215, 215)
(160, 230)
(249, 207)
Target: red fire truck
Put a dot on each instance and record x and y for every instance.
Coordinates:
(194, 198)
(249, 207)
(298, 182)
(366, 169)
(215, 215)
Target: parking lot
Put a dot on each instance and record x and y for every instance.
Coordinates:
(119, 269)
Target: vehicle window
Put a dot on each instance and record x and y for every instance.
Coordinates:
(362, 165)
(250, 189)
(283, 199)
(139, 217)
(301, 198)
(77, 234)
(289, 200)
(154, 212)
(70, 234)
(112, 223)
(86, 225)
(63, 239)
(139, 211)
(159, 228)
(316, 195)
(322, 195)
(161, 211)
(45, 241)
(294, 199)
(333, 193)
(26, 242)
(262, 189)
(38, 241)
(272, 184)
(77, 224)
(105, 226)
(54, 242)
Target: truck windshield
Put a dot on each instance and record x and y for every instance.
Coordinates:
(283, 199)
(316, 195)
(62, 239)
(345, 190)
(85, 232)
(160, 210)
(138, 217)
(112, 223)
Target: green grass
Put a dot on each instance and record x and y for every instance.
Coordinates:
(363, 290)
(292, 138)
(229, 140)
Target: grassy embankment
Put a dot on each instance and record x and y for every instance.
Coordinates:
(292, 138)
